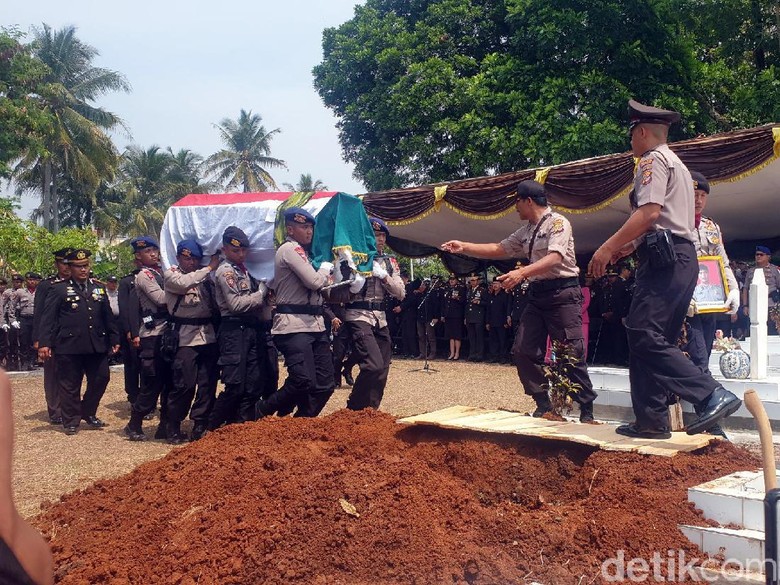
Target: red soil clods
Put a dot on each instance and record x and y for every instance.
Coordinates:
(355, 498)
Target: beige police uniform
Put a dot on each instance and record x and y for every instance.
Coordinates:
(296, 283)
(195, 304)
(149, 284)
(709, 242)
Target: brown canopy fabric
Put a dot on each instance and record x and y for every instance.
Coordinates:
(741, 167)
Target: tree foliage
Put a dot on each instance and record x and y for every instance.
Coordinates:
(306, 183)
(437, 90)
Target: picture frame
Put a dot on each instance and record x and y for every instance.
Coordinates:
(712, 288)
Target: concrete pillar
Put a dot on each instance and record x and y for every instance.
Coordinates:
(759, 309)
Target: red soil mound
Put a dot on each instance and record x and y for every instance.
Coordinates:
(270, 502)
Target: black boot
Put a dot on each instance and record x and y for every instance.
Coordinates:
(348, 377)
(543, 405)
(133, 430)
(198, 431)
(586, 412)
(174, 436)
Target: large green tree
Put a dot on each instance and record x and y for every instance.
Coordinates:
(246, 158)
(437, 90)
(78, 148)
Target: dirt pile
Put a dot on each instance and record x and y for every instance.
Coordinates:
(355, 498)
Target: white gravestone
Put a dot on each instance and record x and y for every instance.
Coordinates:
(759, 309)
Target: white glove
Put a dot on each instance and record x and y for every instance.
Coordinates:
(355, 287)
(15, 324)
(379, 271)
(4, 327)
(326, 268)
(732, 302)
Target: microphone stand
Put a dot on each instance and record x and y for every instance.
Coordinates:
(426, 366)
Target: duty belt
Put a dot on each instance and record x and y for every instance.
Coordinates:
(232, 322)
(158, 315)
(289, 309)
(366, 305)
(540, 286)
(192, 320)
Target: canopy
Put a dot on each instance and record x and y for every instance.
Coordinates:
(204, 217)
(741, 166)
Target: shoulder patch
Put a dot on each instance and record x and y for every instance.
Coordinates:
(230, 278)
(646, 167)
(557, 226)
(301, 252)
(394, 263)
(149, 274)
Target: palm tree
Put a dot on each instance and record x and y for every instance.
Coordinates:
(186, 173)
(79, 150)
(306, 183)
(247, 154)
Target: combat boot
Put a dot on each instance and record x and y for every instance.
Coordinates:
(543, 405)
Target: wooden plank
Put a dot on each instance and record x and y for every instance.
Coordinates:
(602, 436)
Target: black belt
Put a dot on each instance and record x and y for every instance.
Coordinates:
(192, 320)
(289, 309)
(366, 305)
(265, 326)
(228, 322)
(641, 250)
(158, 315)
(539, 286)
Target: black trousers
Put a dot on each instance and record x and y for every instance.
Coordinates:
(71, 369)
(309, 382)
(27, 355)
(702, 334)
(409, 344)
(476, 334)
(51, 389)
(195, 376)
(268, 364)
(12, 355)
(156, 376)
(556, 313)
(657, 367)
(497, 342)
(132, 368)
(342, 346)
(373, 348)
(238, 360)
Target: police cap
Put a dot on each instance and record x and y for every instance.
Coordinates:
(17, 278)
(298, 215)
(189, 248)
(33, 276)
(378, 225)
(142, 243)
(700, 182)
(642, 114)
(78, 256)
(59, 255)
(235, 236)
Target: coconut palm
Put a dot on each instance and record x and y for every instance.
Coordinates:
(306, 183)
(186, 173)
(78, 147)
(246, 158)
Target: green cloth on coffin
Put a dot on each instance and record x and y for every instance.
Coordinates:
(343, 224)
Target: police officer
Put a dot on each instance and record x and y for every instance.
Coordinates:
(155, 371)
(190, 299)
(772, 279)
(240, 299)
(299, 327)
(50, 385)
(25, 299)
(554, 305)
(367, 324)
(11, 308)
(78, 330)
(496, 322)
(4, 326)
(476, 305)
(129, 326)
(662, 230)
(453, 312)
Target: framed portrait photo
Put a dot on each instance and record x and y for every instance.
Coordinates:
(711, 286)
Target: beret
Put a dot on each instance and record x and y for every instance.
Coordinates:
(378, 225)
(700, 182)
(143, 242)
(763, 249)
(235, 236)
(189, 248)
(298, 215)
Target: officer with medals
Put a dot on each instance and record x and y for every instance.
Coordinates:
(77, 330)
(453, 313)
(189, 295)
(155, 371)
(240, 298)
(366, 323)
(476, 306)
(661, 229)
(554, 305)
(298, 326)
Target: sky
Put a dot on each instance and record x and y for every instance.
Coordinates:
(192, 64)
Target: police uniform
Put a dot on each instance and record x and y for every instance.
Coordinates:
(190, 300)
(554, 304)
(240, 299)
(129, 326)
(496, 319)
(155, 371)
(26, 304)
(299, 329)
(772, 279)
(476, 304)
(366, 322)
(454, 310)
(78, 327)
(657, 367)
(4, 327)
(11, 308)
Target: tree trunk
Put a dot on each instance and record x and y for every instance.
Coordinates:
(46, 193)
(55, 207)
(758, 34)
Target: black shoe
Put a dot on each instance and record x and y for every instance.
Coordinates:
(586, 413)
(631, 430)
(720, 404)
(261, 409)
(348, 378)
(717, 431)
(55, 420)
(134, 434)
(198, 431)
(543, 405)
(71, 430)
(337, 382)
(149, 416)
(177, 438)
(161, 432)
(94, 422)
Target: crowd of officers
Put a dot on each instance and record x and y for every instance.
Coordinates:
(181, 330)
